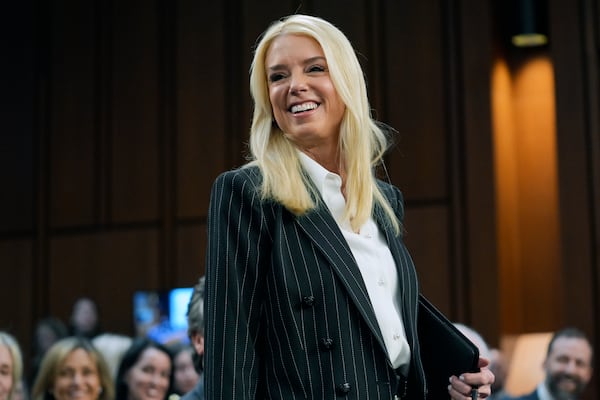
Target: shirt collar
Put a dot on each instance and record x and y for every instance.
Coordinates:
(316, 171)
(543, 392)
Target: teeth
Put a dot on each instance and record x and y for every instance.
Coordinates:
(303, 107)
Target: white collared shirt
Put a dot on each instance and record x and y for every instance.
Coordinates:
(374, 260)
(543, 392)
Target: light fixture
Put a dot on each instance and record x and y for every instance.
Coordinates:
(529, 23)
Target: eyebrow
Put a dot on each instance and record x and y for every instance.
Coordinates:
(307, 61)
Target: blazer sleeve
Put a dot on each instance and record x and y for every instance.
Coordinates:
(236, 259)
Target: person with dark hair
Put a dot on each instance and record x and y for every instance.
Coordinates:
(145, 372)
(568, 367)
(48, 331)
(85, 318)
(310, 290)
(185, 376)
(195, 318)
(73, 366)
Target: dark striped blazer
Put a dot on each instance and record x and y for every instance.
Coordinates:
(287, 312)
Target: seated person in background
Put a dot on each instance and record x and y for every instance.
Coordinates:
(499, 368)
(146, 372)
(185, 375)
(11, 365)
(85, 318)
(48, 331)
(195, 319)
(568, 367)
(21, 391)
(112, 346)
(72, 367)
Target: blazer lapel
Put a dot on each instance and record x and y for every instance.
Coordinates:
(322, 229)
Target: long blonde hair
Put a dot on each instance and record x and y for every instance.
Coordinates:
(54, 358)
(10, 343)
(361, 142)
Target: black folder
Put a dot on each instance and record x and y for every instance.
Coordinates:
(445, 351)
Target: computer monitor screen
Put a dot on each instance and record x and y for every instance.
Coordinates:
(161, 314)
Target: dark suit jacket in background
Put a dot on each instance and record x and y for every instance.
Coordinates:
(288, 314)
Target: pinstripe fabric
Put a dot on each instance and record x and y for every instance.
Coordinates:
(287, 312)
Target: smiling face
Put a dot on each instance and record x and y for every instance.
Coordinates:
(6, 372)
(148, 378)
(306, 105)
(185, 375)
(77, 378)
(568, 367)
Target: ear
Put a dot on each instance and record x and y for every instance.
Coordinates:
(198, 343)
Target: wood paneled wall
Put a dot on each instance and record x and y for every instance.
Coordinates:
(120, 114)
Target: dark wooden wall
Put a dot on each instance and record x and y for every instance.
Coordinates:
(118, 115)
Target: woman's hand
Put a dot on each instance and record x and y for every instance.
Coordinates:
(471, 386)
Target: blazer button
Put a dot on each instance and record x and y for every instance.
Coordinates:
(326, 344)
(343, 388)
(308, 301)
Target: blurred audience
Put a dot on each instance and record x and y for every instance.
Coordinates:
(85, 318)
(185, 376)
(11, 366)
(568, 367)
(195, 319)
(73, 368)
(48, 331)
(21, 391)
(112, 346)
(476, 338)
(499, 369)
(145, 372)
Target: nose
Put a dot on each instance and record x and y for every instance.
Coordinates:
(297, 83)
(77, 378)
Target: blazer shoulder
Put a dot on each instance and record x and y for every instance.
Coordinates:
(243, 178)
(391, 192)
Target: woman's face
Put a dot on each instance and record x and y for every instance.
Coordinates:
(186, 376)
(77, 378)
(148, 379)
(305, 103)
(6, 372)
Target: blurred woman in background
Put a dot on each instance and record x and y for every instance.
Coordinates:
(11, 365)
(73, 368)
(146, 372)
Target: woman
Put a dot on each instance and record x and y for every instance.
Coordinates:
(185, 376)
(73, 369)
(311, 293)
(145, 372)
(11, 365)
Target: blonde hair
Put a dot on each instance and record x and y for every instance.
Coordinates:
(11, 344)
(56, 355)
(362, 142)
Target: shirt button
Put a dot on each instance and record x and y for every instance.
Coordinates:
(326, 344)
(396, 336)
(380, 282)
(343, 388)
(308, 301)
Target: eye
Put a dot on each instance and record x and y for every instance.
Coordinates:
(277, 76)
(317, 68)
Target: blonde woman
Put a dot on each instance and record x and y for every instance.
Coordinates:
(310, 291)
(11, 365)
(73, 369)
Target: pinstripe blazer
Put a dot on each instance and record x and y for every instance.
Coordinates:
(287, 311)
